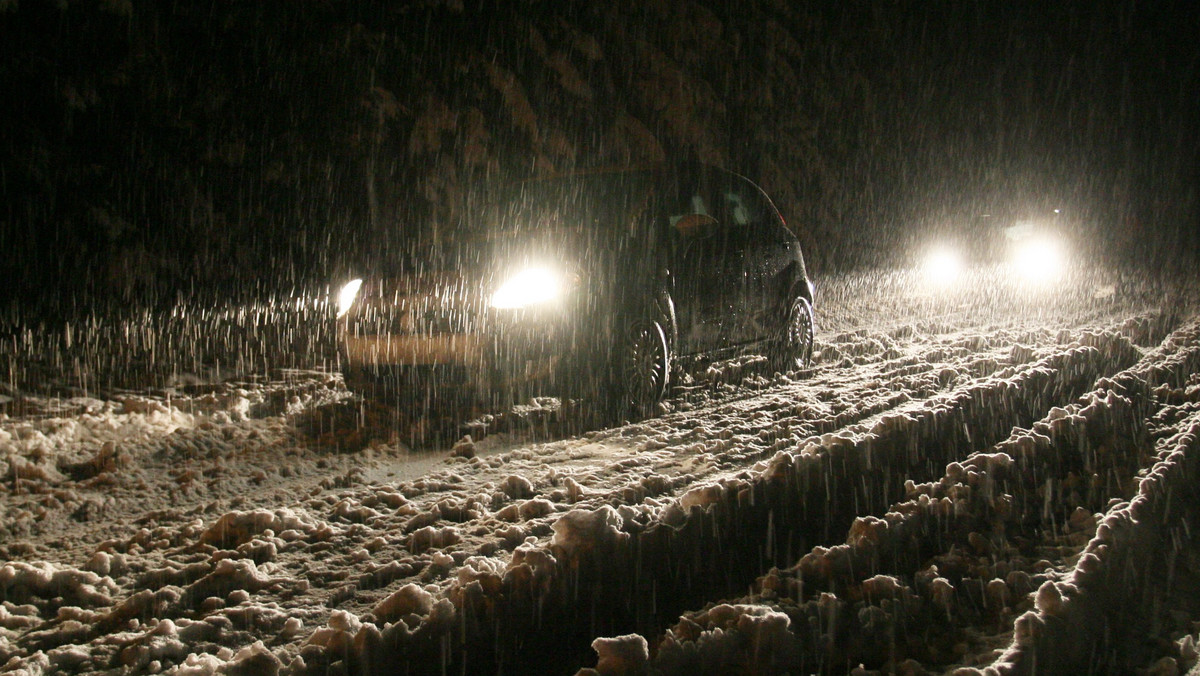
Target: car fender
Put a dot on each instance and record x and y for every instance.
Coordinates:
(666, 314)
(793, 282)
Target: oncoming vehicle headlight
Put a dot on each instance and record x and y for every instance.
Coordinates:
(346, 296)
(531, 286)
(942, 265)
(1039, 259)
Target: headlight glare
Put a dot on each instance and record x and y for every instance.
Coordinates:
(531, 286)
(942, 265)
(1039, 259)
(346, 296)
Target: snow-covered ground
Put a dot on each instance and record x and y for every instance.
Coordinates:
(992, 477)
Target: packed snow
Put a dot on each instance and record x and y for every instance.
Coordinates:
(967, 481)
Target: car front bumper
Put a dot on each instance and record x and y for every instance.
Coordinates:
(514, 359)
(414, 350)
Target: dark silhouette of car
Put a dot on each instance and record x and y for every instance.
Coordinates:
(591, 285)
(1031, 245)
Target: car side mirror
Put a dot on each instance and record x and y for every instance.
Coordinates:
(696, 226)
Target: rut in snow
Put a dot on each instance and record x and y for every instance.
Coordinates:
(603, 574)
(985, 552)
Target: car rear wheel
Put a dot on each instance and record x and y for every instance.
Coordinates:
(793, 350)
(640, 370)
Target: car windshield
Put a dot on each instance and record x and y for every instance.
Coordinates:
(576, 205)
(550, 219)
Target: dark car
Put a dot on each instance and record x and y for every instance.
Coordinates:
(591, 285)
(1029, 245)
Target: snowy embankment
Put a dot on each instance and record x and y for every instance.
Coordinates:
(921, 499)
(986, 551)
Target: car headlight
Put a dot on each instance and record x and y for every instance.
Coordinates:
(942, 265)
(1039, 259)
(346, 296)
(531, 286)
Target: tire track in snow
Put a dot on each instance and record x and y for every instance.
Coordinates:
(734, 432)
(361, 561)
(1118, 609)
(960, 559)
(607, 570)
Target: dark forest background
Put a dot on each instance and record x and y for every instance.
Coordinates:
(154, 150)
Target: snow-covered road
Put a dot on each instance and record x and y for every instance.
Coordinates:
(981, 478)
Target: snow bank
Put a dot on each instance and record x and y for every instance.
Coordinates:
(1114, 584)
(252, 660)
(91, 436)
(237, 528)
(812, 486)
(619, 655)
(22, 582)
(835, 593)
(579, 531)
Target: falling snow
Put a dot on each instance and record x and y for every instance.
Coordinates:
(973, 479)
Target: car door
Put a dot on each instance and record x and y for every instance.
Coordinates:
(728, 261)
(766, 254)
(705, 261)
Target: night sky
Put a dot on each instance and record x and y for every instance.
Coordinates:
(156, 151)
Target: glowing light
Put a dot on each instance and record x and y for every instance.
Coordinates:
(943, 265)
(1039, 260)
(530, 286)
(346, 296)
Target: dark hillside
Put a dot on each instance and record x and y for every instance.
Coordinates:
(153, 150)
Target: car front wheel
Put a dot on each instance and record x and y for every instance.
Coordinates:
(640, 371)
(793, 350)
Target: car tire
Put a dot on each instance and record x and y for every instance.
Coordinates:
(640, 371)
(794, 348)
